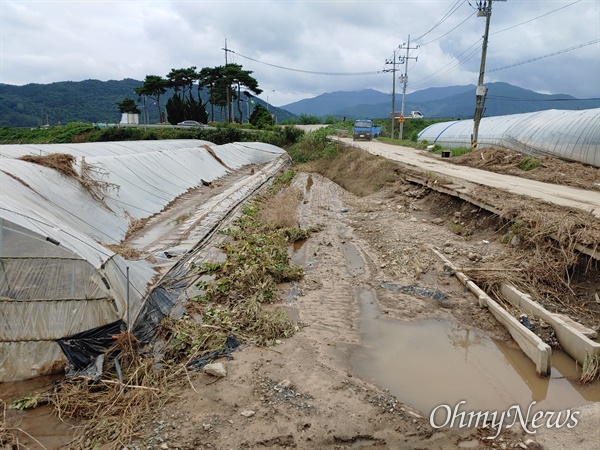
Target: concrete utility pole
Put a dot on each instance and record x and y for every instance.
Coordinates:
(404, 80)
(484, 10)
(229, 108)
(393, 62)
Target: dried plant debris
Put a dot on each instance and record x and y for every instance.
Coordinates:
(62, 162)
(91, 177)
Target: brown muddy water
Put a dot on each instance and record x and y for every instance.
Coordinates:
(35, 428)
(436, 362)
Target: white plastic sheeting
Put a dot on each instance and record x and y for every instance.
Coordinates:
(570, 135)
(56, 276)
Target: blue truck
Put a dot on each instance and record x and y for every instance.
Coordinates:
(364, 129)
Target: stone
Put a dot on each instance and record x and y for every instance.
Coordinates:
(216, 370)
(285, 383)
(532, 445)
(248, 413)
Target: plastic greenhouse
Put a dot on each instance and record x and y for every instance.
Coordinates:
(570, 135)
(62, 291)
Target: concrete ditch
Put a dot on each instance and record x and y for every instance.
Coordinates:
(573, 337)
(537, 350)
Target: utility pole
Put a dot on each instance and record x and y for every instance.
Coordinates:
(404, 80)
(229, 87)
(393, 62)
(484, 8)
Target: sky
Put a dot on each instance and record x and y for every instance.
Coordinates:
(301, 49)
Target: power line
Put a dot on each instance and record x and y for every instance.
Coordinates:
(547, 56)
(514, 99)
(474, 52)
(451, 11)
(535, 18)
(420, 82)
(433, 40)
(310, 71)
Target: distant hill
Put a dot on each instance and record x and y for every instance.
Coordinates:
(95, 101)
(445, 102)
(335, 103)
(91, 101)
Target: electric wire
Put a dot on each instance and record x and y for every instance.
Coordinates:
(445, 34)
(451, 11)
(458, 63)
(515, 99)
(565, 50)
(310, 71)
(535, 18)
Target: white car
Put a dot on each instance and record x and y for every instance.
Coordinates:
(416, 115)
(189, 123)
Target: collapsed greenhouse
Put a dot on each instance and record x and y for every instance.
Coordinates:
(63, 291)
(569, 135)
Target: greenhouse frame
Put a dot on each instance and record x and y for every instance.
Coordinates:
(569, 135)
(63, 292)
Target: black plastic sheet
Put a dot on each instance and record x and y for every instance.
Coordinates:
(230, 345)
(83, 348)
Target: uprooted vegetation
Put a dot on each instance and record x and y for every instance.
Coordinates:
(542, 168)
(90, 177)
(235, 291)
(237, 301)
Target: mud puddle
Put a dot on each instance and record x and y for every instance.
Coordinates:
(39, 423)
(435, 362)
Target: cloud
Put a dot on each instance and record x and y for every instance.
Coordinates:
(48, 41)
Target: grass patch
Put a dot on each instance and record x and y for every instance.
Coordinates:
(529, 164)
(591, 368)
(354, 169)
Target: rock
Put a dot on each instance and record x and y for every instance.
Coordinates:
(216, 370)
(413, 219)
(532, 445)
(285, 383)
(484, 242)
(248, 413)
(164, 445)
(448, 250)
(515, 241)
(206, 426)
(437, 221)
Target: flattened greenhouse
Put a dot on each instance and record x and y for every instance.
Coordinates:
(569, 135)
(62, 290)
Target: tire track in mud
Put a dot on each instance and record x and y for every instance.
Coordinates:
(330, 307)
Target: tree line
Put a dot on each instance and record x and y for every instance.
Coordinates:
(225, 86)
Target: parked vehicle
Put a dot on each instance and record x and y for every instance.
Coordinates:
(190, 123)
(364, 129)
(416, 115)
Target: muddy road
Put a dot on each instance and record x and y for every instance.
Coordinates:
(385, 334)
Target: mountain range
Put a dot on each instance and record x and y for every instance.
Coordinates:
(438, 102)
(95, 101)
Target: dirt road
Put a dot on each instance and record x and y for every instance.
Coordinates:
(369, 268)
(361, 371)
(560, 195)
